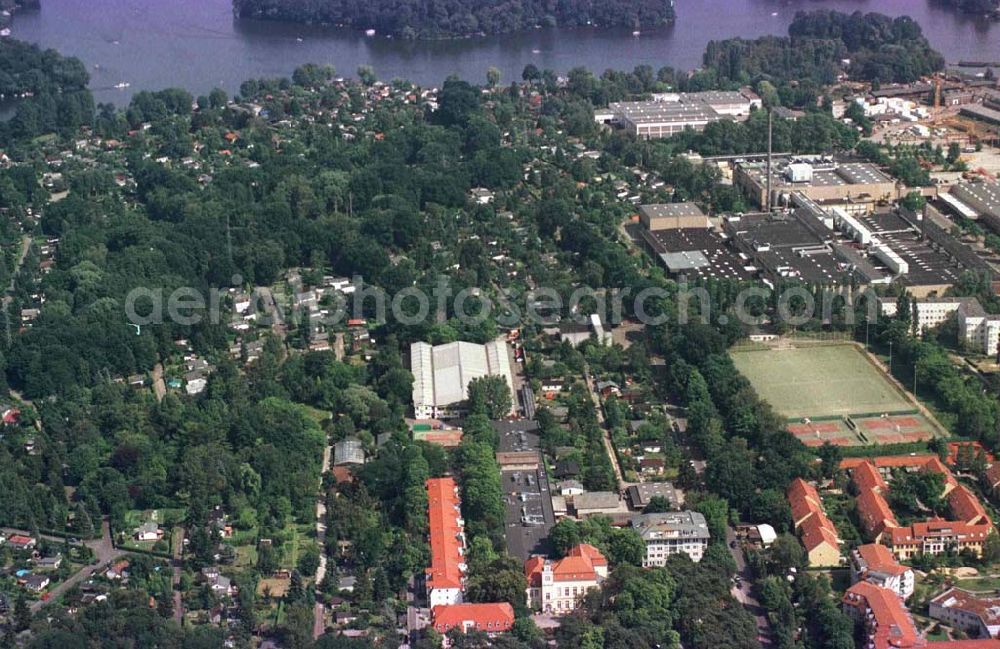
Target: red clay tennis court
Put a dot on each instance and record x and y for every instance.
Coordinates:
(897, 429)
(819, 432)
(891, 423)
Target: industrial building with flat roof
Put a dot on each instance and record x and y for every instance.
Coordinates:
(672, 216)
(827, 247)
(856, 186)
(978, 201)
(442, 373)
(671, 113)
(783, 246)
(697, 253)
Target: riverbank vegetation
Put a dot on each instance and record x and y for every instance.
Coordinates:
(820, 47)
(460, 18)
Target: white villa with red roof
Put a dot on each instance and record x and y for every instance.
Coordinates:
(556, 587)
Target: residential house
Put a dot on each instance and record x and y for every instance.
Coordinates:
(219, 584)
(968, 529)
(817, 532)
(148, 531)
(48, 563)
(936, 537)
(488, 618)
(991, 479)
(21, 543)
(885, 618)
(118, 571)
(557, 587)
(640, 495)
(874, 563)
(36, 583)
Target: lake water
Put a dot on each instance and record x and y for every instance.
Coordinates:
(198, 45)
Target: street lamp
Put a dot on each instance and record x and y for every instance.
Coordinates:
(890, 357)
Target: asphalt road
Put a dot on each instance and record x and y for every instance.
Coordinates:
(744, 592)
(608, 446)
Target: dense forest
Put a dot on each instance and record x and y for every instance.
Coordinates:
(51, 90)
(820, 47)
(455, 18)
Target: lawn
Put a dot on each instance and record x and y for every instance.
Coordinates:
(165, 518)
(297, 536)
(819, 381)
(980, 584)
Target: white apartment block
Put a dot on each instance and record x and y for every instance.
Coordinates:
(979, 330)
(876, 564)
(672, 533)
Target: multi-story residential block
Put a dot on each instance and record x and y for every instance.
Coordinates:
(674, 533)
(445, 578)
(976, 615)
(874, 563)
(817, 532)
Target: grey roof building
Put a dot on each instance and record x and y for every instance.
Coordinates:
(639, 495)
(348, 451)
(674, 533)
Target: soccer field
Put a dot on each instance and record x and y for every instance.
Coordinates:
(820, 381)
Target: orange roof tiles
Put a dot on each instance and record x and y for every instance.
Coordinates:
(977, 448)
(491, 618)
(979, 643)
(589, 551)
(891, 624)
(446, 542)
(809, 517)
(804, 500)
(876, 516)
(866, 476)
(917, 532)
(874, 513)
(878, 558)
(966, 507)
(891, 461)
(816, 530)
(579, 564)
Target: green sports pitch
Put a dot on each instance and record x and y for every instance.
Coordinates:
(819, 381)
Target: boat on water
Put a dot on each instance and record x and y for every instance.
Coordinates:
(5, 32)
(122, 85)
(636, 33)
(369, 32)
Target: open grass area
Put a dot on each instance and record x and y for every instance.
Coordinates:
(297, 536)
(819, 381)
(980, 584)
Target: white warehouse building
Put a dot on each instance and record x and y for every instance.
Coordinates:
(442, 373)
